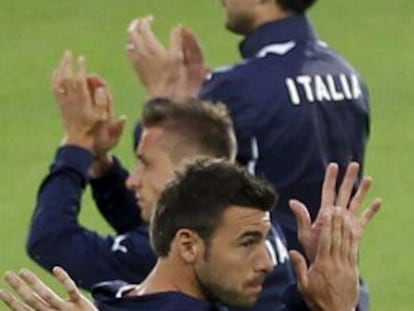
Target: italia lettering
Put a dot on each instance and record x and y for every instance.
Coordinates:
(319, 88)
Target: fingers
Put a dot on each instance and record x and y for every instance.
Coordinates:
(133, 38)
(345, 242)
(81, 82)
(329, 186)
(57, 86)
(73, 86)
(103, 97)
(69, 285)
(40, 289)
(345, 191)
(301, 213)
(337, 232)
(101, 103)
(63, 71)
(359, 196)
(141, 38)
(353, 249)
(65, 80)
(81, 68)
(65, 68)
(118, 126)
(176, 44)
(26, 293)
(301, 269)
(325, 239)
(94, 81)
(370, 212)
(349, 240)
(193, 53)
(338, 241)
(347, 234)
(12, 302)
(152, 44)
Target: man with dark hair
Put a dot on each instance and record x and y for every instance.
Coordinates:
(295, 103)
(215, 186)
(211, 206)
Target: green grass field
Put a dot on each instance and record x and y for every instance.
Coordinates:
(375, 35)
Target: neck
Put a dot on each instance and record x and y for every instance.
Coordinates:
(270, 13)
(168, 275)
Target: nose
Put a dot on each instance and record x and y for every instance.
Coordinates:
(264, 262)
(129, 182)
(134, 180)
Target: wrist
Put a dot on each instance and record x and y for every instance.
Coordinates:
(83, 142)
(102, 164)
(161, 91)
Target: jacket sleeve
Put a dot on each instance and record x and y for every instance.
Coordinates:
(115, 202)
(226, 87)
(57, 238)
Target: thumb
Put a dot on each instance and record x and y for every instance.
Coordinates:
(176, 44)
(301, 268)
(117, 127)
(192, 49)
(302, 216)
(69, 285)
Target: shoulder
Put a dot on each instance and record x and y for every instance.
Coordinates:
(114, 295)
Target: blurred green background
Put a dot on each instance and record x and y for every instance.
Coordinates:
(375, 35)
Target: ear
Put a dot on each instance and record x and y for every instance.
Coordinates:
(189, 244)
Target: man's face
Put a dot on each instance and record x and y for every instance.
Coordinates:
(153, 170)
(235, 262)
(240, 15)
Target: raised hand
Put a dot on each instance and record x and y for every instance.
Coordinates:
(330, 283)
(308, 233)
(195, 69)
(79, 111)
(158, 68)
(36, 296)
(106, 134)
(176, 72)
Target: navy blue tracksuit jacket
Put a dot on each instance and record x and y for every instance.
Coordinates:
(112, 296)
(296, 105)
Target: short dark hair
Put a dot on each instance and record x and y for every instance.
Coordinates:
(198, 196)
(202, 125)
(296, 6)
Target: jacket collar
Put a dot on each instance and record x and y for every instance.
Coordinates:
(293, 28)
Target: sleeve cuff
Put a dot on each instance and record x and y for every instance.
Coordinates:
(75, 158)
(116, 173)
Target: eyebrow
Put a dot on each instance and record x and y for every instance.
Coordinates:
(251, 234)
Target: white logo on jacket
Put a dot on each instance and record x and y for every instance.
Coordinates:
(117, 246)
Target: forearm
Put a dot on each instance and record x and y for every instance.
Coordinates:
(115, 202)
(57, 238)
(57, 207)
